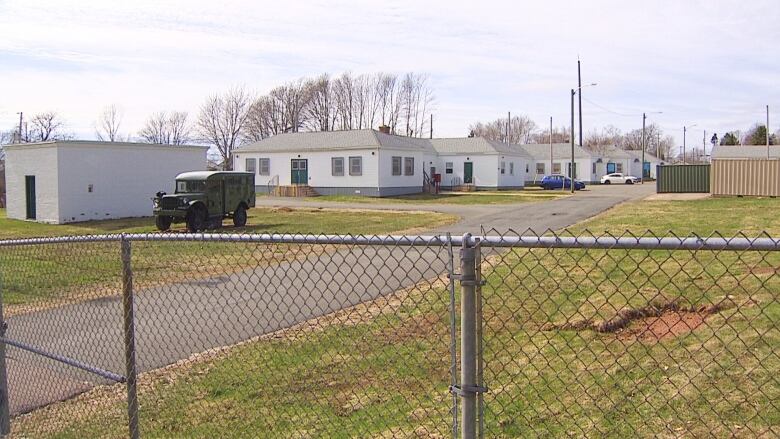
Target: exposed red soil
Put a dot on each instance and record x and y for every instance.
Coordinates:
(668, 325)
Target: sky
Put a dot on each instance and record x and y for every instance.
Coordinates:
(712, 64)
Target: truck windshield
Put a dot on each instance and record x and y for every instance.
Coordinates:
(190, 186)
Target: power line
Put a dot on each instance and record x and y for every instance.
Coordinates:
(610, 111)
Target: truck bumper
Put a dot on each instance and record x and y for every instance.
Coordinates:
(173, 213)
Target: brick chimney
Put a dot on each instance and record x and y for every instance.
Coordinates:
(384, 129)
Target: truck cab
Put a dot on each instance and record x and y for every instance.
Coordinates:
(202, 199)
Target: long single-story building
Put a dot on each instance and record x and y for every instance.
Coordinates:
(69, 181)
(376, 163)
(649, 168)
(557, 161)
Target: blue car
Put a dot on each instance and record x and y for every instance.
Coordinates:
(559, 182)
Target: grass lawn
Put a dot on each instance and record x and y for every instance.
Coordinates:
(492, 197)
(381, 369)
(49, 274)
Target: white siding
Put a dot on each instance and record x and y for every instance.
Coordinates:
(40, 162)
(386, 177)
(509, 178)
(319, 167)
(123, 178)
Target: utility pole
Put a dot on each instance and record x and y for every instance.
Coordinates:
(767, 131)
(431, 125)
(508, 122)
(571, 164)
(19, 139)
(704, 146)
(579, 84)
(684, 131)
(642, 178)
(551, 147)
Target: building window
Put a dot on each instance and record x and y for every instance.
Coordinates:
(526, 168)
(337, 166)
(540, 169)
(503, 168)
(356, 166)
(619, 167)
(251, 165)
(556, 168)
(396, 165)
(448, 168)
(511, 168)
(265, 166)
(408, 165)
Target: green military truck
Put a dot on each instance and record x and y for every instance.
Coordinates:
(204, 198)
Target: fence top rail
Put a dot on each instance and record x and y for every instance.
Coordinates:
(764, 243)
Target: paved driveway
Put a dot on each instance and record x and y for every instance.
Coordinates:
(178, 320)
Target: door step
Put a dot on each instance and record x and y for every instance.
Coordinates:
(464, 188)
(301, 190)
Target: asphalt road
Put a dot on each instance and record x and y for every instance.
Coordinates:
(178, 320)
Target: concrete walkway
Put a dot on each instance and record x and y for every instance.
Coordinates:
(176, 321)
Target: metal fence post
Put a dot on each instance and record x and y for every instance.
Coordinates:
(5, 403)
(129, 331)
(468, 339)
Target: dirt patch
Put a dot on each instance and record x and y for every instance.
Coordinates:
(668, 325)
(420, 326)
(651, 323)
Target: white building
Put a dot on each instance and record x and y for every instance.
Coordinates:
(375, 163)
(651, 162)
(609, 159)
(557, 160)
(68, 181)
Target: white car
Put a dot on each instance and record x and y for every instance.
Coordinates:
(618, 178)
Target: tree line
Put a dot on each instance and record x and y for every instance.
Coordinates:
(226, 120)
(522, 129)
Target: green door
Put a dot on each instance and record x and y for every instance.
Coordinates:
(468, 172)
(300, 172)
(29, 191)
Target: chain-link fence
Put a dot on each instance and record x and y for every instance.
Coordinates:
(513, 335)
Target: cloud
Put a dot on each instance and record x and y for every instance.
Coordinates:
(709, 62)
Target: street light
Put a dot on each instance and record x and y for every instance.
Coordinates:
(571, 164)
(685, 130)
(644, 117)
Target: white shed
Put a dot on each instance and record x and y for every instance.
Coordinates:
(69, 181)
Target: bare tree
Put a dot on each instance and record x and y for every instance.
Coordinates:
(167, 129)
(559, 135)
(179, 128)
(44, 127)
(520, 130)
(319, 114)
(222, 119)
(108, 123)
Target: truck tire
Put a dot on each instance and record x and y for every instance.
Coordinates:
(196, 220)
(163, 222)
(239, 216)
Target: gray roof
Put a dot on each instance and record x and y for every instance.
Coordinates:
(610, 152)
(335, 140)
(372, 139)
(97, 143)
(476, 145)
(541, 151)
(202, 175)
(745, 152)
(637, 154)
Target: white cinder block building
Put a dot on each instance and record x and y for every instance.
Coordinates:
(558, 161)
(651, 162)
(375, 163)
(68, 181)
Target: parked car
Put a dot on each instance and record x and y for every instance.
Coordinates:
(559, 182)
(203, 199)
(618, 178)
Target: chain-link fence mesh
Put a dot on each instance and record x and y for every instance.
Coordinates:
(309, 336)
